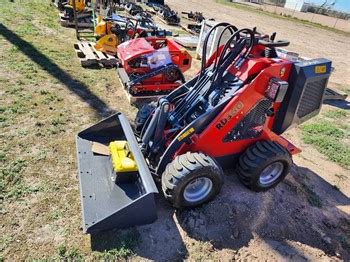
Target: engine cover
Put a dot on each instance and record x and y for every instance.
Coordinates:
(303, 100)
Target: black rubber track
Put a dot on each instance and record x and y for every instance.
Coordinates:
(258, 156)
(184, 169)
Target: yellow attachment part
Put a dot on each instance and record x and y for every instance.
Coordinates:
(103, 28)
(100, 28)
(108, 44)
(99, 19)
(122, 159)
(79, 5)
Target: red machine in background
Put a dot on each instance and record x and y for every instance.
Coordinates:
(152, 66)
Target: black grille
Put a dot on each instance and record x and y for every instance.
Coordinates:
(251, 125)
(311, 98)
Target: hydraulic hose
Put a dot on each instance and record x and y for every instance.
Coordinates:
(205, 45)
(232, 29)
(223, 55)
(204, 54)
(190, 101)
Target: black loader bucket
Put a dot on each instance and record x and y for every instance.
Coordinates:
(110, 199)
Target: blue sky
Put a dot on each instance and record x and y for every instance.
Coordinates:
(340, 5)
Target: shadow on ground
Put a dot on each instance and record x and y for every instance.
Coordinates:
(303, 209)
(74, 85)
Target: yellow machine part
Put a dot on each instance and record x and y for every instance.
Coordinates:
(108, 44)
(103, 28)
(122, 159)
(79, 5)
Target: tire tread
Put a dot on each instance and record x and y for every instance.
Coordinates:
(255, 157)
(181, 166)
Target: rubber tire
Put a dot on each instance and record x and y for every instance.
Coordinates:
(182, 170)
(142, 115)
(256, 158)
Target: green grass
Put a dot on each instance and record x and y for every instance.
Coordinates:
(42, 108)
(337, 114)
(329, 140)
(55, 215)
(4, 241)
(66, 254)
(115, 254)
(280, 16)
(118, 247)
(11, 179)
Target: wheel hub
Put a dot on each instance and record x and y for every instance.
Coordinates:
(198, 189)
(271, 173)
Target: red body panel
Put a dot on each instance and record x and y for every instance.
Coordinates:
(210, 141)
(140, 49)
(134, 48)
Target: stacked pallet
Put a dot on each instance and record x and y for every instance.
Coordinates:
(89, 56)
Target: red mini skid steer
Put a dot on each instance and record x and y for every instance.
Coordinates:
(152, 66)
(231, 114)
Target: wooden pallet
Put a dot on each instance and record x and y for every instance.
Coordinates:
(186, 18)
(333, 94)
(168, 23)
(188, 41)
(89, 56)
(185, 28)
(83, 22)
(66, 23)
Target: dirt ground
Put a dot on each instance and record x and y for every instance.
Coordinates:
(46, 98)
(329, 21)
